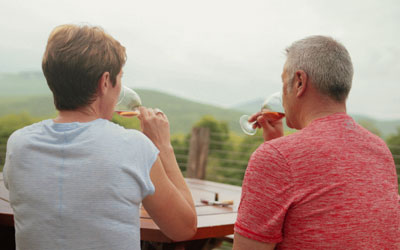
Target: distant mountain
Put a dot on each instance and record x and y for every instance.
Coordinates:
(386, 128)
(28, 92)
(183, 113)
(249, 106)
(23, 84)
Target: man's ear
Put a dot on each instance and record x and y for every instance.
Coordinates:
(301, 81)
(103, 83)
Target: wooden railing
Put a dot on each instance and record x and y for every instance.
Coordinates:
(204, 161)
(204, 158)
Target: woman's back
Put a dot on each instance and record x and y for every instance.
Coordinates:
(78, 185)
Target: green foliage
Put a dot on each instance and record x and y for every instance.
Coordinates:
(37, 106)
(370, 127)
(10, 123)
(219, 134)
(222, 163)
(180, 143)
(393, 141)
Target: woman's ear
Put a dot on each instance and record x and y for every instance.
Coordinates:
(104, 83)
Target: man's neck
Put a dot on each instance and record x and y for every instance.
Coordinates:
(318, 109)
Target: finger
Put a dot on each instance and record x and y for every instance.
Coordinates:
(158, 111)
(276, 123)
(163, 115)
(256, 125)
(151, 111)
(264, 123)
(143, 110)
(253, 117)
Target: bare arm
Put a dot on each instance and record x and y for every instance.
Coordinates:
(242, 243)
(168, 206)
(171, 206)
(173, 172)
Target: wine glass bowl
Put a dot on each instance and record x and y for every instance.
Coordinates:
(274, 103)
(128, 102)
(271, 109)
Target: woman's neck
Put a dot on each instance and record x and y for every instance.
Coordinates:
(79, 115)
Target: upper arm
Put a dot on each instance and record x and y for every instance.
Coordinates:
(266, 196)
(167, 206)
(7, 162)
(5, 176)
(240, 242)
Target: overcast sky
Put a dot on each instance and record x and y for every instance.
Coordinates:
(221, 52)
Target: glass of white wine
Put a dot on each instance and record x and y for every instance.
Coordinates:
(128, 102)
(271, 109)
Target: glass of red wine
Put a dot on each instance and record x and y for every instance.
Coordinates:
(271, 109)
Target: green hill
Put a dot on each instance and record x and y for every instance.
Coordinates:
(39, 106)
(28, 92)
(23, 84)
(183, 113)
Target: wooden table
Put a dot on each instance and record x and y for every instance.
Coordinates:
(212, 221)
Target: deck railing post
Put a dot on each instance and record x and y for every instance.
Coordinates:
(198, 153)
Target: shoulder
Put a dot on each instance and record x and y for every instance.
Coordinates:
(371, 140)
(117, 130)
(35, 127)
(283, 145)
(273, 155)
(119, 133)
(276, 155)
(24, 133)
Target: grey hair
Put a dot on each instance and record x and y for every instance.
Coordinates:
(326, 62)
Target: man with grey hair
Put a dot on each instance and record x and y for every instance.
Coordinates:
(331, 185)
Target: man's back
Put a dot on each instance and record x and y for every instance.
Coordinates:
(332, 185)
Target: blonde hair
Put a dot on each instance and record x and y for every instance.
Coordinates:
(74, 60)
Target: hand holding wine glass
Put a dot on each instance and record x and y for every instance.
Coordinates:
(269, 118)
(155, 126)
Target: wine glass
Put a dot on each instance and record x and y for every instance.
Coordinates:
(271, 109)
(128, 102)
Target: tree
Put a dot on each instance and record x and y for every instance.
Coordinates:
(219, 135)
(221, 151)
(393, 142)
(370, 127)
(394, 139)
